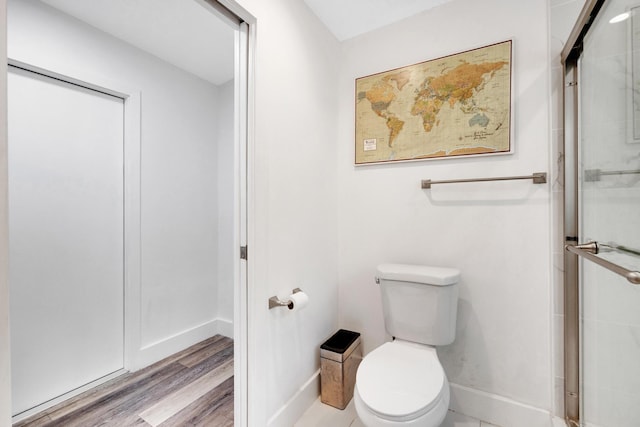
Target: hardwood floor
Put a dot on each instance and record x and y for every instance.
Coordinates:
(190, 388)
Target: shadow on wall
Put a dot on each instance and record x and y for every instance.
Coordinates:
(459, 370)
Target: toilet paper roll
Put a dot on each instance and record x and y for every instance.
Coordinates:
(299, 300)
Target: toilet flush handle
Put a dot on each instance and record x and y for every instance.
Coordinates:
(378, 280)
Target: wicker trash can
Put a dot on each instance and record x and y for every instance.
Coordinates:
(340, 357)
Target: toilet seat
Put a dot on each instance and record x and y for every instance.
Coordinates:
(401, 381)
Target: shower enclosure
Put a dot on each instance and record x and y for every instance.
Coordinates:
(602, 216)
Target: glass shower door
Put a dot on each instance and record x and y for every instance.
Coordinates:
(609, 213)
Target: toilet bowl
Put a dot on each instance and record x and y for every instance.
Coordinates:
(401, 384)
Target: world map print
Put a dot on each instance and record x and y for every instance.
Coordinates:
(452, 106)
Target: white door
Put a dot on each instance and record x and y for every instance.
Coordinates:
(65, 236)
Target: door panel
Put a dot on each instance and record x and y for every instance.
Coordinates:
(609, 196)
(65, 236)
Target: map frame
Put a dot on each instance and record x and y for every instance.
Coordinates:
(368, 145)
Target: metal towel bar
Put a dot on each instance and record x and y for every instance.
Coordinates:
(588, 251)
(614, 247)
(537, 177)
(592, 175)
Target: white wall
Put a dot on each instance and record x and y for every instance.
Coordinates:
(504, 336)
(504, 312)
(497, 234)
(178, 171)
(295, 223)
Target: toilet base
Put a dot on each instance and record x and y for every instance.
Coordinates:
(433, 418)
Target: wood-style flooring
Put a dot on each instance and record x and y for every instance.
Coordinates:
(190, 388)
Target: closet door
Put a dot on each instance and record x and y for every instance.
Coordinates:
(66, 236)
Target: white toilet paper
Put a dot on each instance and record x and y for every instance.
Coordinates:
(299, 300)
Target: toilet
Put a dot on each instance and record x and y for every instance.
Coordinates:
(402, 383)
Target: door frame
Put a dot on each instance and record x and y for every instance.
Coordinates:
(244, 206)
(245, 382)
(244, 230)
(5, 351)
(570, 57)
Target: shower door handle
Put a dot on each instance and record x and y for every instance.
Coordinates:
(589, 251)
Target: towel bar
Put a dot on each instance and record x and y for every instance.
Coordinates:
(588, 251)
(537, 177)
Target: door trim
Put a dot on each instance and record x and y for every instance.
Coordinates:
(5, 354)
(244, 207)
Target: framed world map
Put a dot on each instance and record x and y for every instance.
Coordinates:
(458, 105)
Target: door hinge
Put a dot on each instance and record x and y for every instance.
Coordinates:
(243, 252)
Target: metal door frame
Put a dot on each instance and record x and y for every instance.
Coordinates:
(570, 61)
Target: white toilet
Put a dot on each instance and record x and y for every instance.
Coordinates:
(401, 383)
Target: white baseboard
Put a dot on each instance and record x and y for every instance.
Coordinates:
(559, 422)
(158, 350)
(497, 410)
(291, 411)
(224, 327)
(477, 404)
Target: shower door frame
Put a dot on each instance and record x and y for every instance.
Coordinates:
(570, 58)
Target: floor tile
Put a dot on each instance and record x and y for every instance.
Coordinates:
(321, 415)
(455, 419)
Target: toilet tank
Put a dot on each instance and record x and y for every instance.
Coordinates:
(419, 303)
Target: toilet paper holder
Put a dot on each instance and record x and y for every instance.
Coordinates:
(277, 302)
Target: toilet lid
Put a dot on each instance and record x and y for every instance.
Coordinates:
(400, 379)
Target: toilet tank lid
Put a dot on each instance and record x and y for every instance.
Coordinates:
(419, 274)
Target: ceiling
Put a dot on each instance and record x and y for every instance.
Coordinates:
(188, 35)
(169, 29)
(350, 18)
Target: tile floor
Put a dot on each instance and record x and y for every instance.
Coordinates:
(321, 415)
